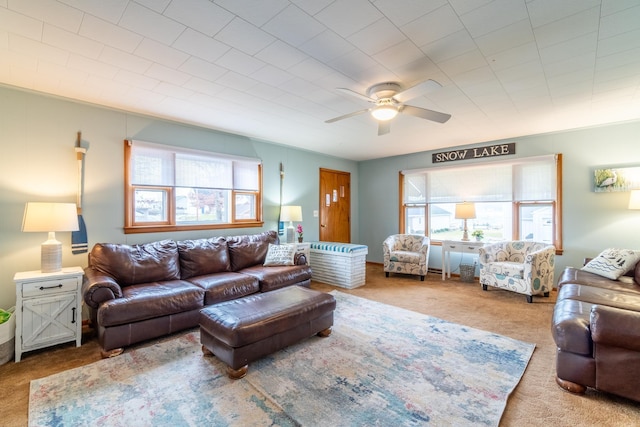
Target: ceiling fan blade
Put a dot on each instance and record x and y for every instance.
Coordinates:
(384, 127)
(346, 116)
(423, 113)
(356, 94)
(417, 90)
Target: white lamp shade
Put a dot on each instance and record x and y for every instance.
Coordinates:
(466, 210)
(46, 217)
(634, 199)
(50, 217)
(291, 213)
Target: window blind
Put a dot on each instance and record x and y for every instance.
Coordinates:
(163, 165)
(524, 179)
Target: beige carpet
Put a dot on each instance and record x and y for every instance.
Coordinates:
(537, 400)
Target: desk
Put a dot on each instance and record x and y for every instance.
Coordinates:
(449, 246)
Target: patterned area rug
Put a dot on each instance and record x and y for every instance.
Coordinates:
(382, 365)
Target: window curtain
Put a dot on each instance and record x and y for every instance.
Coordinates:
(245, 176)
(525, 179)
(163, 165)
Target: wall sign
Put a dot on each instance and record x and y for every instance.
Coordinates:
(474, 153)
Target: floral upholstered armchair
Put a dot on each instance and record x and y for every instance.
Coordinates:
(519, 266)
(406, 253)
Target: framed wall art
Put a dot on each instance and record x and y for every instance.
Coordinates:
(616, 179)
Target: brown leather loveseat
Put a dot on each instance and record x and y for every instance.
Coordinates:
(596, 328)
(138, 292)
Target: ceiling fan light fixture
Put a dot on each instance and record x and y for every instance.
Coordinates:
(384, 112)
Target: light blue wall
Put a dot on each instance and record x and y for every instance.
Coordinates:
(38, 163)
(592, 221)
(38, 134)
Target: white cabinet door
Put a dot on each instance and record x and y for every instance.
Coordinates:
(49, 320)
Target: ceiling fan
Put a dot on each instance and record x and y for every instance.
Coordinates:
(389, 99)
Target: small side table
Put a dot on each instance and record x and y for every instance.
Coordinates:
(449, 246)
(48, 309)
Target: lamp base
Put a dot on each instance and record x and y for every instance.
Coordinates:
(465, 234)
(290, 234)
(51, 255)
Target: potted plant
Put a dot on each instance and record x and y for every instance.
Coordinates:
(299, 231)
(478, 234)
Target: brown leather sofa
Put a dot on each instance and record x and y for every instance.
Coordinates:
(596, 328)
(138, 292)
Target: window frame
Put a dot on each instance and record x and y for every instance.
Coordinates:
(170, 225)
(516, 205)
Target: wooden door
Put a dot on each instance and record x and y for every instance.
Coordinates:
(335, 206)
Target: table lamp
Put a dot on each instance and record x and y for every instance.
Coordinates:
(49, 218)
(291, 213)
(466, 210)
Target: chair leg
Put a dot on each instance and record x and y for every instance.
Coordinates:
(484, 287)
(529, 299)
(546, 294)
(422, 278)
(386, 273)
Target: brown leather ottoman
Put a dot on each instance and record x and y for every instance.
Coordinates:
(241, 331)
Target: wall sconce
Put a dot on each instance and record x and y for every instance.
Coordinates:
(634, 199)
(291, 213)
(49, 218)
(466, 210)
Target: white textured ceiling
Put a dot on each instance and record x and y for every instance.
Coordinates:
(269, 69)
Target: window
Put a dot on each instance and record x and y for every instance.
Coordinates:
(171, 188)
(514, 200)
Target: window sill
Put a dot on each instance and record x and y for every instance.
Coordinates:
(170, 228)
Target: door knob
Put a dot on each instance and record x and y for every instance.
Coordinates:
(322, 225)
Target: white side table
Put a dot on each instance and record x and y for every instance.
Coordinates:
(449, 246)
(48, 309)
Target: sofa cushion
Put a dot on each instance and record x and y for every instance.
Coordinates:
(132, 264)
(278, 277)
(248, 250)
(149, 300)
(601, 296)
(506, 268)
(405, 256)
(580, 277)
(613, 263)
(203, 256)
(280, 255)
(226, 286)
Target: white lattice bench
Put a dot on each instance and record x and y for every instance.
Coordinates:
(339, 264)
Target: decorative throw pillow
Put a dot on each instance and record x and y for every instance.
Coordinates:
(280, 255)
(613, 263)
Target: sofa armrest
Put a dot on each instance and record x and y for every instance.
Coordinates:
(539, 266)
(387, 245)
(300, 259)
(425, 246)
(615, 327)
(98, 287)
(492, 252)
